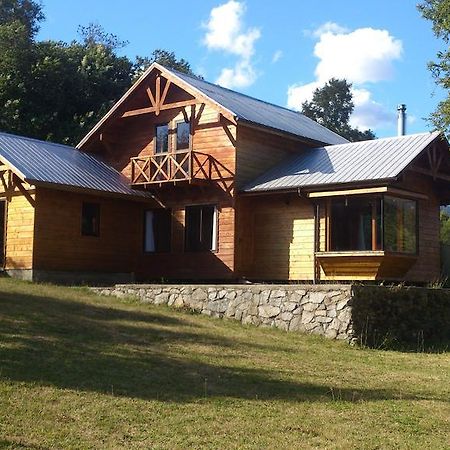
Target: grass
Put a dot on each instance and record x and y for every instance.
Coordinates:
(79, 371)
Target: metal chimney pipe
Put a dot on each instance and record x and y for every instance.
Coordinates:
(401, 119)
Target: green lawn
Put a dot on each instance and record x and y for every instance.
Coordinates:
(82, 371)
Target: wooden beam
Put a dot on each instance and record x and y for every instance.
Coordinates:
(158, 95)
(138, 112)
(150, 96)
(166, 90)
(441, 176)
(373, 190)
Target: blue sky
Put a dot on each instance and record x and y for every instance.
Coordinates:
(280, 51)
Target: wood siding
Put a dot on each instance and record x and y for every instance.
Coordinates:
(258, 151)
(276, 238)
(19, 233)
(60, 246)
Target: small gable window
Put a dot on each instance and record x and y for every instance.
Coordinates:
(90, 219)
(162, 138)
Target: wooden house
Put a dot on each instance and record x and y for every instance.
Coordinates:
(186, 180)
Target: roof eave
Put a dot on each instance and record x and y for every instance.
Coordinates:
(319, 187)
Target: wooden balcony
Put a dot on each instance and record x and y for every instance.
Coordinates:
(174, 167)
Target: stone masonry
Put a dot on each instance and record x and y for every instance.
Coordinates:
(319, 309)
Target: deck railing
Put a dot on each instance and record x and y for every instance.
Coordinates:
(176, 167)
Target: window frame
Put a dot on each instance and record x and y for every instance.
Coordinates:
(95, 233)
(175, 148)
(214, 231)
(329, 219)
(155, 139)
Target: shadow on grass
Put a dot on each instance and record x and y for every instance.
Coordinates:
(76, 345)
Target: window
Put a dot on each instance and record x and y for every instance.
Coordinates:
(90, 219)
(162, 138)
(400, 225)
(355, 224)
(183, 133)
(157, 230)
(201, 228)
(378, 223)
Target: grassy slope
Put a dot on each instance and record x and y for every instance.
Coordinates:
(81, 371)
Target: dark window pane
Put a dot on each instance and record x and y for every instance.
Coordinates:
(183, 135)
(353, 221)
(90, 219)
(200, 233)
(162, 138)
(157, 230)
(400, 225)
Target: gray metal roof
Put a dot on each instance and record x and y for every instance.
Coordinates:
(44, 162)
(346, 163)
(252, 110)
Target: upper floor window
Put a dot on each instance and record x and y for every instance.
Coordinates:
(162, 138)
(183, 134)
(90, 219)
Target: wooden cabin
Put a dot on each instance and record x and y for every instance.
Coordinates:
(185, 180)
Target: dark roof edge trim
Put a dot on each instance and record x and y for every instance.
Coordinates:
(99, 192)
(319, 187)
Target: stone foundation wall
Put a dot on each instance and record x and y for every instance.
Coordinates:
(318, 309)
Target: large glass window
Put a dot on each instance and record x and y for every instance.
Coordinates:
(355, 224)
(378, 223)
(162, 138)
(400, 225)
(157, 230)
(183, 135)
(201, 228)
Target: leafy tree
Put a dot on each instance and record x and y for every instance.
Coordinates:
(163, 57)
(57, 91)
(438, 11)
(445, 227)
(331, 106)
(26, 12)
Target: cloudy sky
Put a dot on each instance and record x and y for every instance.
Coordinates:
(280, 51)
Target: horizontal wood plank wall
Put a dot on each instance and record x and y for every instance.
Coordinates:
(258, 151)
(179, 264)
(60, 246)
(19, 232)
(276, 238)
(427, 268)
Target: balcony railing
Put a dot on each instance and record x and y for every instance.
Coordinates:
(174, 167)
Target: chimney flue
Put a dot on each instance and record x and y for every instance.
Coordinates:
(401, 120)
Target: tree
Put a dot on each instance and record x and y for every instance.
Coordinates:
(163, 57)
(332, 106)
(438, 11)
(445, 227)
(57, 91)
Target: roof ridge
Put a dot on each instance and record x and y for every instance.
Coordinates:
(16, 136)
(236, 92)
(385, 138)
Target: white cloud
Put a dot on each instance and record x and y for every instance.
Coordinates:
(299, 93)
(328, 27)
(241, 75)
(362, 56)
(368, 113)
(225, 31)
(277, 56)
